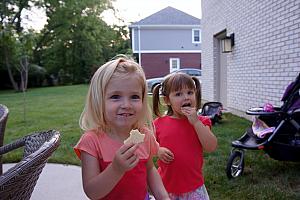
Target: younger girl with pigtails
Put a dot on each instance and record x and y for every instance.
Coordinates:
(183, 136)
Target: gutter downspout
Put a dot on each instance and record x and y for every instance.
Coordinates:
(140, 56)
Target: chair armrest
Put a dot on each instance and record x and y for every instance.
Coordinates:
(12, 146)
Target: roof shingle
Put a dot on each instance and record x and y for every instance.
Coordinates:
(169, 16)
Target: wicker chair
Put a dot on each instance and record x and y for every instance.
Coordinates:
(19, 181)
(3, 119)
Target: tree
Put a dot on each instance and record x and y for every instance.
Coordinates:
(121, 41)
(74, 42)
(76, 39)
(15, 46)
(7, 44)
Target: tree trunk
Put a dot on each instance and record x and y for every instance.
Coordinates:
(24, 67)
(24, 72)
(11, 77)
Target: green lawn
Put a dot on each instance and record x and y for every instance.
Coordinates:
(60, 107)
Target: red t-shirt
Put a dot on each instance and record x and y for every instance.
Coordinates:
(184, 173)
(133, 184)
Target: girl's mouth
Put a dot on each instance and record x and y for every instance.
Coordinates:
(186, 105)
(125, 114)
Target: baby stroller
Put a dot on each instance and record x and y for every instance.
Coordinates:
(213, 110)
(282, 144)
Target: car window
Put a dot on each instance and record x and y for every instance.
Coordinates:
(190, 72)
(193, 73)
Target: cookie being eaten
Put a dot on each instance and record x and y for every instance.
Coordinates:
(135, 137)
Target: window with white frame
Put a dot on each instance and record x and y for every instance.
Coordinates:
(174, 64)
(196, 36)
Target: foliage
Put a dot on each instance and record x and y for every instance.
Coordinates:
(76, 39)
(60, 107)
(36, 76)
(71, 46)
(16, 46)
(11, 13)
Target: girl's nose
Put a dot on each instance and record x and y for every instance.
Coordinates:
(126, 103)
(186, 96)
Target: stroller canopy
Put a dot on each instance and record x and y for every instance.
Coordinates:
(291, 96)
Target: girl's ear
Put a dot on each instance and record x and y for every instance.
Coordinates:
(166, 100)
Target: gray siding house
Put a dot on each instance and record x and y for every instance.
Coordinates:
(167, 40)
(265, 54)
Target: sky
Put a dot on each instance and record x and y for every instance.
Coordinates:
(135, 10)
(33, 19)
(128, 10)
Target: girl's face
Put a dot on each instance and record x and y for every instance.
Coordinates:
(181, 98)
(123, 103)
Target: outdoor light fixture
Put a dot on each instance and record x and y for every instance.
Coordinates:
(227, 43)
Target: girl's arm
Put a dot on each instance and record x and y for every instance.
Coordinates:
(155, 182)
(93, 178)
(165, 155)
(206, 137)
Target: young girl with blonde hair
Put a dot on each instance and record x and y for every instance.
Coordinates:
(116, 103)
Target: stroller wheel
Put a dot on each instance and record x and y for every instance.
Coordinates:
(235, 164)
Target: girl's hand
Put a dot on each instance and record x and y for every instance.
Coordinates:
(125, 158)
(191, 114)
(165, 155)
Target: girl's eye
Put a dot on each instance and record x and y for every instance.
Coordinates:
(115, 97)
(177, 94)
(135, 97)
(190, 92)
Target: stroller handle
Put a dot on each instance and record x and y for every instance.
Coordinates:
(260, 111)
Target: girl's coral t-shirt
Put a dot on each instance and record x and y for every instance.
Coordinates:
(133, 184)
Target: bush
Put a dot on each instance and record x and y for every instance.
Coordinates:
(36, 76)
(64, 78)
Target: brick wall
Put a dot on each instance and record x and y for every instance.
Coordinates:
(157, 64)
(266, 55)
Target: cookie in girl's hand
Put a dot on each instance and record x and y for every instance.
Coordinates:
(135, 137)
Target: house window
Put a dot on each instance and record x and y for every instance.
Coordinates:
(196, 36)
(174, 64)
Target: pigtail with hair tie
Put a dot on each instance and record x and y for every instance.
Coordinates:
(163, 92)
(156, 101)
(198, 91)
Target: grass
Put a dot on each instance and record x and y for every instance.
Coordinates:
(60, 107)
(46, 108)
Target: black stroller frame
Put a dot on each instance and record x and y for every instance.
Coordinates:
(282, 144)
(213, 110)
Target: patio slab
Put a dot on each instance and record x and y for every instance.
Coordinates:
(58, 181)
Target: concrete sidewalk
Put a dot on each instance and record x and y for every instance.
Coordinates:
(58, 181)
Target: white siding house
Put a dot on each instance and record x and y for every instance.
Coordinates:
(167, 40)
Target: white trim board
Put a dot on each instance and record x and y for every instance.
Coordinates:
(169, 51)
